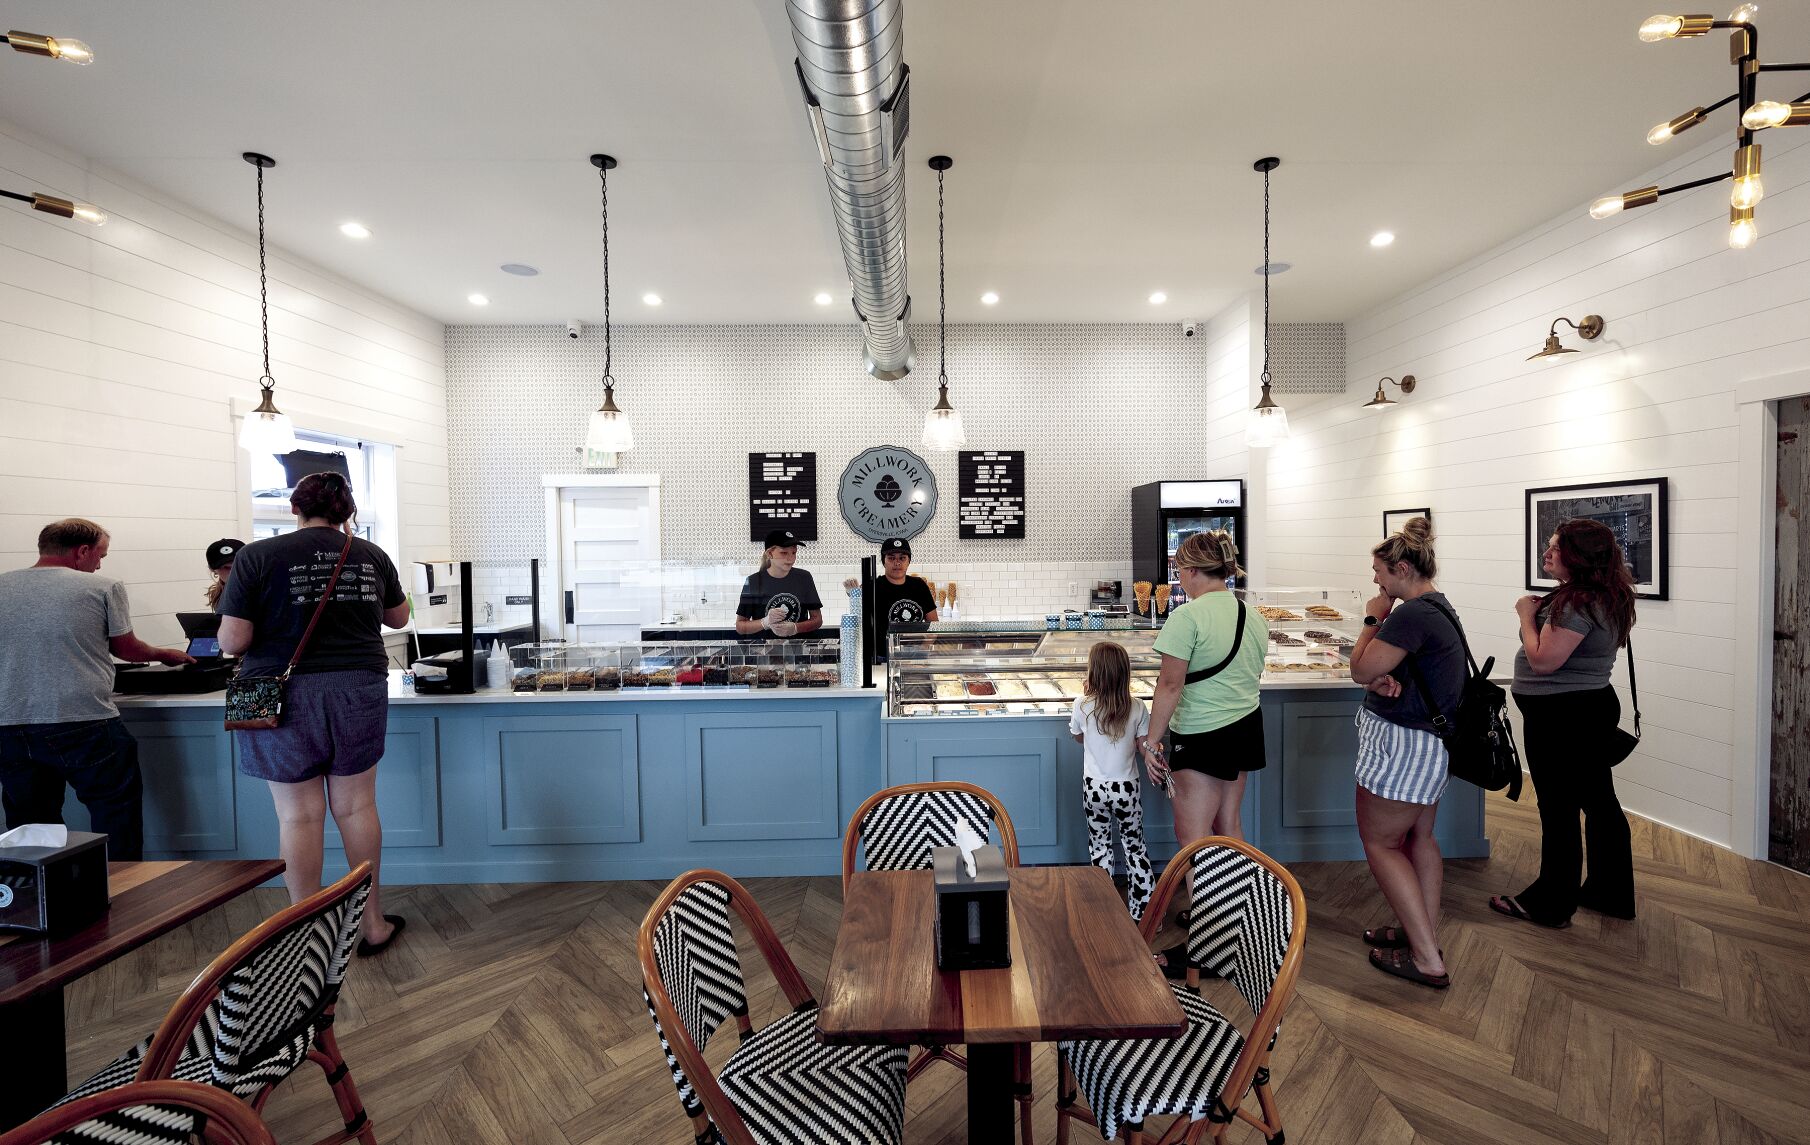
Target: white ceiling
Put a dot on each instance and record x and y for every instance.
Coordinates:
(1103, 149)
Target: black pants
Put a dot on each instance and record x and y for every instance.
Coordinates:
(99, 758)
(1563, 735)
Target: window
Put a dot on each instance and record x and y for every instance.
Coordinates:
(372, 467)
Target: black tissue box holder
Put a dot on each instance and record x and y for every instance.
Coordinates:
(973, 915)
(54, 890)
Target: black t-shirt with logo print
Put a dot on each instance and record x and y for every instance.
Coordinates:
(276, 584)
(795, 592)
(908, 603)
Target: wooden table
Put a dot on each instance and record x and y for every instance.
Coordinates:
(1079, 970)
(149, 899)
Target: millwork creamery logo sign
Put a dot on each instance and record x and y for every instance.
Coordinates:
(887, 492)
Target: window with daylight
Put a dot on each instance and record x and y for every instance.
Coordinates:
(371, 468)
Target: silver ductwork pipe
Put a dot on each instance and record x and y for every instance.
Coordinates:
(857, 91)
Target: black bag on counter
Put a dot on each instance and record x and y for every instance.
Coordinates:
(1479, 743)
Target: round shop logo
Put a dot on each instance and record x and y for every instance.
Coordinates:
(6, 896)
(788, 602)
(887, 492)
(904, 612)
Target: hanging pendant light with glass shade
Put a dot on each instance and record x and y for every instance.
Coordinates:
(266, 429)
(1267, 423)
(610, 431)
(943, 423)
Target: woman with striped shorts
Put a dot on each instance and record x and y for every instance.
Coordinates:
(1410, 650)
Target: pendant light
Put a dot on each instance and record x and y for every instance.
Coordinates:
(610, 431)
(943, 423)
(266, 429)
(1267, 423)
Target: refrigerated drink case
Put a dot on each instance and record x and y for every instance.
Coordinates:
(1166, 513)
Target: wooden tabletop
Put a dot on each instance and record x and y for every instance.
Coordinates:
(149, 899)
(1079, 967)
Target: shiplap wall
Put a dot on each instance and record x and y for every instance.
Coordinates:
(1688, 319)
(120, 351)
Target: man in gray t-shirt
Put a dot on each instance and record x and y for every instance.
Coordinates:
(60, 627)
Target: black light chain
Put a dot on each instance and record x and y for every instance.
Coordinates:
(1266, 280)
(267, 382)
(942, 289)
(603, 177)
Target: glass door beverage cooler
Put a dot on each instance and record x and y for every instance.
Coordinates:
(1166, 513)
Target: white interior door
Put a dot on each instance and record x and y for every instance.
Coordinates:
(609, 561)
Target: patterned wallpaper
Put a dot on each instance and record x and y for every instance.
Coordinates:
(1097, 408)
(1307, 358)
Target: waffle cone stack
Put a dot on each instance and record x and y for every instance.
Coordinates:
(1141, 591)
(1162, 599)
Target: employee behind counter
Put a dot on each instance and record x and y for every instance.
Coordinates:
(898, 598)
(778, 597)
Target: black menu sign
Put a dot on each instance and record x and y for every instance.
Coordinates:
(990, 502)
(782, 494)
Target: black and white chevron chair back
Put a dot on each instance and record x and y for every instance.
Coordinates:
(1240, 922)
(900, 831)
(702, 973)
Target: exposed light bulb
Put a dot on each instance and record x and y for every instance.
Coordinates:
(943, 430)
(1606, 206)
(1765, 113)
(1744, 14)
(91, 214)
(1660, 133)
(72, 51)
(1656, 28)
(1742, 233)
(1747, 193)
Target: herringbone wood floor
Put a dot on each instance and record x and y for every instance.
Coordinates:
(513, 1014)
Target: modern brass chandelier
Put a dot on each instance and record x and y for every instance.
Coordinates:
(1755, 115)
(69, 51)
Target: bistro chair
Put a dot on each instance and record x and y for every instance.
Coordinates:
(257, 1013)
(779, 1085)
(146, 1113)
(897, 829)
(1247, 924)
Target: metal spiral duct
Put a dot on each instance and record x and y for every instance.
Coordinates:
(857, 91)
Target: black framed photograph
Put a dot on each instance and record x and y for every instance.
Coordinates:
(1636, 512)
(1394, 519)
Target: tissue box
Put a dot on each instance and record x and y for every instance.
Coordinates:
(973, 915)
(54, 890)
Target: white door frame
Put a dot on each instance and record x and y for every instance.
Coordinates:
(1756, 564)
(554, 573)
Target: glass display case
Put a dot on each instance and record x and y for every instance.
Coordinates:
(1038, 672)
(554, 666)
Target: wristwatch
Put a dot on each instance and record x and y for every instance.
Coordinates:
(1371, 622)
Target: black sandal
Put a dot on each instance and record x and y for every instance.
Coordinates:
(1510, 906)
(367, 948)
(1175, 961)
(1391, 937)
(1401, 964)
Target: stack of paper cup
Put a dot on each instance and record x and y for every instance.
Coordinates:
(851, 641)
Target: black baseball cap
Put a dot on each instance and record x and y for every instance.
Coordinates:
(222, 552)
(895, 545)
(781, 539)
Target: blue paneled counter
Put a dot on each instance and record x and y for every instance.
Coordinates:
(633, 785)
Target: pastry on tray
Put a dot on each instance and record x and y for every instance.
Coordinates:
(1270, 612)
(1324, 612)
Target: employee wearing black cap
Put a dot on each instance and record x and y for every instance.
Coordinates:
(220, 556)
(898, 597)
(778, 598)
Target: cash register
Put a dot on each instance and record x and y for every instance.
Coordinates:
(209, 673)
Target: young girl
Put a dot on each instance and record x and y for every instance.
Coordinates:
(1110, 724)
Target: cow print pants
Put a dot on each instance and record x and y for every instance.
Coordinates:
(1107, 800)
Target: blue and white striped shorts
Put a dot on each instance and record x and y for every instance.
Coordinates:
(1404, 764)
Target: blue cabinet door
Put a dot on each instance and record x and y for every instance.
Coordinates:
(408, 785)
(762, 775)
(1032, 765)
(187, 766)
(562, 779)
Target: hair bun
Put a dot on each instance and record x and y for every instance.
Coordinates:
(1418, 531)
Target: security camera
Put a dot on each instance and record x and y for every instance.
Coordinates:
(1188, 329)
(574, 328)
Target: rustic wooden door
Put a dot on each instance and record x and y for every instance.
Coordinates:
(1790, 831)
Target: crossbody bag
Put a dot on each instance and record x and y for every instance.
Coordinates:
(1620, 744)
(1200, 674)
(257, 704)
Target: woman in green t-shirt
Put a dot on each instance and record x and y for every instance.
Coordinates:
(1214, 722)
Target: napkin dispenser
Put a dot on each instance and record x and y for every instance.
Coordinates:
(54, 890)
(972, 912)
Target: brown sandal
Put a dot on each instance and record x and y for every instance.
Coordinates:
(1401, 964)
(1391, 937)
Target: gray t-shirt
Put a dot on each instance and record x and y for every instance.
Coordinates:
(55, 667)
(1590, 662)
(1435, 648)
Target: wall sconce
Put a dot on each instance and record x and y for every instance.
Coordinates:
(62, 208)
(1382, 401)
(1590, 329)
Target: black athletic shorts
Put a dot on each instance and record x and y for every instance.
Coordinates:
(1223, 752)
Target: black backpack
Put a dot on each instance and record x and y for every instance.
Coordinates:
(1478, 739)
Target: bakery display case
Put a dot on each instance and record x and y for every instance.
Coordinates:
(1312, 630)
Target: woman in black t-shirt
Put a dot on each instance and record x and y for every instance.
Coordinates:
(779, 597)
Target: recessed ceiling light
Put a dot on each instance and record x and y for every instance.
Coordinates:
(520, 269)
(989, 299)
(477, 300)
(1382, 238)
(823, 298)
(355, 230)
(1158, 298)
(651, 298)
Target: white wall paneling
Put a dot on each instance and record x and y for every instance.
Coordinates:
(121, 348)
(1688, 321)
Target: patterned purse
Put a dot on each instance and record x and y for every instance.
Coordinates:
(257, 704)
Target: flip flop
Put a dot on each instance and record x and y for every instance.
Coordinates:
(1401, 964)
(1391, 937)
(1508, 905)
(367, 948)
(1175, 961)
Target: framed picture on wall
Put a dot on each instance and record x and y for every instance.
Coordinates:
(1394, 519)
(1635, 510)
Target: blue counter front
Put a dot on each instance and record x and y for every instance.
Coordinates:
(622, 786)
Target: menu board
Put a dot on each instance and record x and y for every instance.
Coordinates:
(990, 501)
(782, 494)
